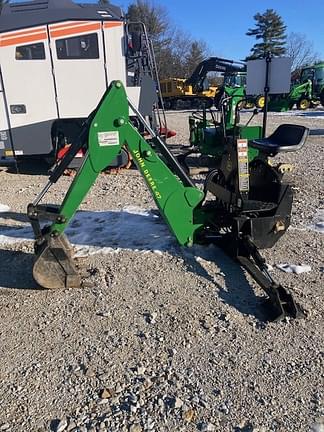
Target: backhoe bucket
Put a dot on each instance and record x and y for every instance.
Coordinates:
(53, 267)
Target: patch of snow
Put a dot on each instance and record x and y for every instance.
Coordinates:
(107, 232)
(16, 234)
(300, 113)
(292, 268)
(317, 427)
(4, 208)
(318, 222)
(130, 229)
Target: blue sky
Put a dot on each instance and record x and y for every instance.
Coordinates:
(222, 24)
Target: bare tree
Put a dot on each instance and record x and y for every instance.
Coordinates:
(185, 53)
(176, 52)
(155, 18)
(157, 22)
(301, 50)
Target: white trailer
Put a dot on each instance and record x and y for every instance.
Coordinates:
(56, 60)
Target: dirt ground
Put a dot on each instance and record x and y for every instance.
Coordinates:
(160, 338)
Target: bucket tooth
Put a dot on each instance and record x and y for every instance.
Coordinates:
(53, 267)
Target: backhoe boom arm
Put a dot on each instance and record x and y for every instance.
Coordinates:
(110, 130)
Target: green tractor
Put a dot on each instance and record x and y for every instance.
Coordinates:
(306, 92)
(315, 74)
(300, 95)
(205, 132)
(235, 80)
(238, 79)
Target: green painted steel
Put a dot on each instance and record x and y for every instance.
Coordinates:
(109, 131)
(298, 92)
(236, 94)
(316, 74)
(80, 186)
(251, 133)
(210, 140)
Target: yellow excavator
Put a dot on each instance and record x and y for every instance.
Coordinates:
(196, 92)
(179, 95)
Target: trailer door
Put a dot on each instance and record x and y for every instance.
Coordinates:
(29, 88)
(78, 60)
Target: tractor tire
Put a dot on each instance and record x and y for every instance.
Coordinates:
(167, 104)
(249, 104)
(259, 101)
(303, 104)
(322, 98)
(315, 103)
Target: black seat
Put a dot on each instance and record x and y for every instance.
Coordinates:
(287, 137)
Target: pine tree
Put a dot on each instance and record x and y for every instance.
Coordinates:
(196, 54)
(270, 29)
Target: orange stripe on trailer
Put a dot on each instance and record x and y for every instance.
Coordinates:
(22, 33)
(112, 24)
(68, 24)
(23, 39)
(75, 30)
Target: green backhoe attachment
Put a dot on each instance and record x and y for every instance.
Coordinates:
(250, 209)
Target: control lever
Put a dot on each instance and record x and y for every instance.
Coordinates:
(255, 112)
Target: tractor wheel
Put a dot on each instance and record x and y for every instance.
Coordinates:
(249, 104)
(167, 104)
(303, 104)
(260, 101)
(322, 98)
(315, 103)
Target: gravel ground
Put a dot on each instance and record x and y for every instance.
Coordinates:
(163, 341)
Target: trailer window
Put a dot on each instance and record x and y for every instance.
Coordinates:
(30, 52)
(78, 47)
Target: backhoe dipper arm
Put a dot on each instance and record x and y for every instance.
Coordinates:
(213, 64)
(110, 129)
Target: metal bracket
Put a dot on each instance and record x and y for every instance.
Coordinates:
(281, 299)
